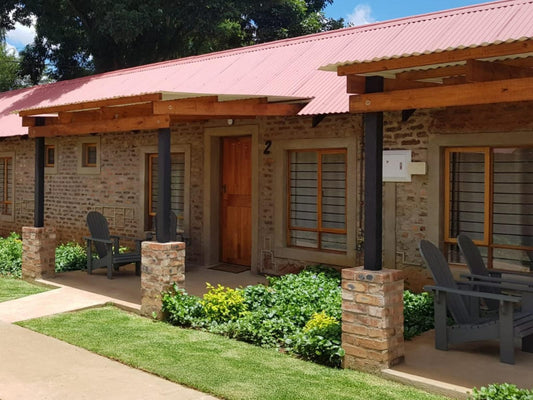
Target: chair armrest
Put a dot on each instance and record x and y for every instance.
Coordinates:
(472, 293)
(504, 283)
(508, 272)
(106, 241)
(135, 239)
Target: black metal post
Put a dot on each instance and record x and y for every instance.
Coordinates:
(38, 217)
(163, 203)
(373, 128)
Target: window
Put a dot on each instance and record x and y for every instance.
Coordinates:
(177, 188)
(49, 155)
(317, 199)
(489, 196)
(6, 186)
(90, 155)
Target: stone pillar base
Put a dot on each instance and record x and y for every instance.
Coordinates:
(38, 252)
(372, 318)
(163, 265)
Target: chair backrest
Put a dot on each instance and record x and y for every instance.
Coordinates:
(471, 253)
(173, 226)
(440, 270)
(99, 229)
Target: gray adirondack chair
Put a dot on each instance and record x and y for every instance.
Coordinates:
(173, 228)
(511, 281)
(477, 267)
(107, 247)
(468, 326)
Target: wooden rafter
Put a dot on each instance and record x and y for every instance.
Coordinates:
(88, 105)
(503, 91)
(401, 84)
(101, 126)
(435, 73)
(480, 71)
(444, 57)
(227, 109)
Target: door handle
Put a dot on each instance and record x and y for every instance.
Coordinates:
(224, 188)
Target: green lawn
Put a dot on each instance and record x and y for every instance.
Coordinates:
(214, 364)
(11, 288)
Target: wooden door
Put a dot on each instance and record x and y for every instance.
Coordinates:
(236, 219)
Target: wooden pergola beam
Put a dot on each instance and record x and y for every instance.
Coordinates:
(36, 121)
(434, 73)
(445, 96)
(102, 126)
(480, 71)
(444, 57)
(227, 109)
(87, 105)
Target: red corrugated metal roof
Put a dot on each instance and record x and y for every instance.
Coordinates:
(288, 68)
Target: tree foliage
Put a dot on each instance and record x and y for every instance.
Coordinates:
(80, 37)
(9, 69)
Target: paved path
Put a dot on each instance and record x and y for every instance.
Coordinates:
(35, 366)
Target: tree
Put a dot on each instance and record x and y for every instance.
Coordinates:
(79, 37)
(9, 68)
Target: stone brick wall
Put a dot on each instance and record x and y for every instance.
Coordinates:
(412, 197)
(283, 128)
(163, 265)
(115, 191)
(38, 252)
(372, 318)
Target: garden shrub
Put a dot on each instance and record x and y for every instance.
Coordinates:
(182, 309)
(319, 341)
(11, 256)
(417, 313)
(223, 304)
(501, 391)
(300, 313)
(70, 256)
(271, 316)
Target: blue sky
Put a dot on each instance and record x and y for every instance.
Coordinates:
(361, 12)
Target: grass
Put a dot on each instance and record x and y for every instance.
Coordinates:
(213, 364)
(11, 288)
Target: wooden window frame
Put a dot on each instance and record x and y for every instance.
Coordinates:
(4, 201)
(319, 229)
(488, 200)
(47, 162)
(85, 155)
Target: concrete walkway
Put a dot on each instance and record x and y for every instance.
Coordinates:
(62, 299)
(35, 366)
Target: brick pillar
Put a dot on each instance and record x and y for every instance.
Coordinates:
(163, 264)
(372, 318)
(38, 252)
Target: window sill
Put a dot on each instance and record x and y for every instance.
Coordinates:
(316, 256)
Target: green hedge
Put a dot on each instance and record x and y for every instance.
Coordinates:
(69, 256)
(417, 313)
(297, 312)
(11, 256)
(501, 391)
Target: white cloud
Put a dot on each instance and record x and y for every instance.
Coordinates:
(12, 50)
(361, 15)
(20, 36)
